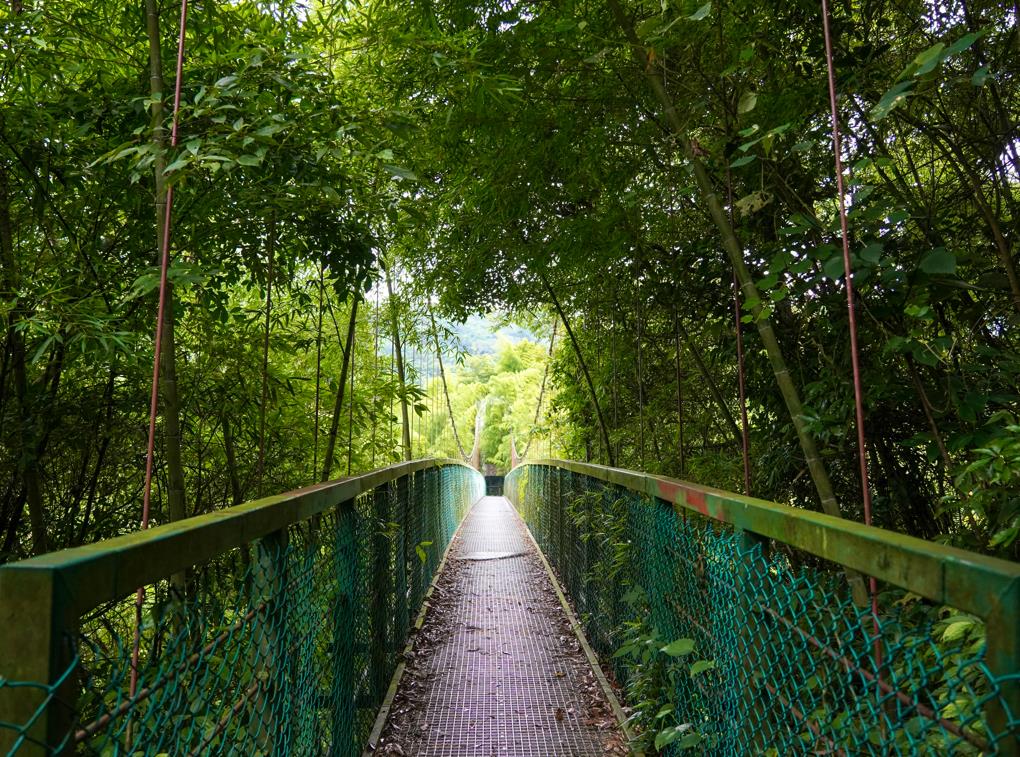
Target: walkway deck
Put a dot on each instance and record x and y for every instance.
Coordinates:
(496, 669)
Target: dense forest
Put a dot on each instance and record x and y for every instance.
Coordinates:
(352, 180)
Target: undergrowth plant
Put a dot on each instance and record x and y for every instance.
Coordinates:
(653, 668)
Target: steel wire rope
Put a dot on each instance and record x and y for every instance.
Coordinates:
(541, 391)
(350, 402)
(745, 444)
(158, 342)
(393, 417)
(679, 392)
(271, 254)
(435, 394)
(855, 360)
(375, 374)
(318, 377)
(639, 314)
(433, 405)
(446, 389)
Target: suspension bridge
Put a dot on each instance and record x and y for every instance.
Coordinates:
(404, 612)
(409, 611)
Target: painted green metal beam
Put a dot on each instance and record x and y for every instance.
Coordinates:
(984, 586)
(965, 580)
(42, 599)
(114, 568)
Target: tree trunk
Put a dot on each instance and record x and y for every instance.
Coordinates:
(401, 377)
(176, 505)
(28, 461)
(819, 475)
(334, 425)
(713, 387)
(236, 493)
(105, 433)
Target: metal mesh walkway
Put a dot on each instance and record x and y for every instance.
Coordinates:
(496, 669)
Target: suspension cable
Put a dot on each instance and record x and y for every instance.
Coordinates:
(435, 403)
(271, 255)
(375, 373)
(318, 376)
(350, 403)
(541, 391)
(862, 452)
(160, 314)
(745, 443)
(393, 371)
(679, 392)
(640, 383)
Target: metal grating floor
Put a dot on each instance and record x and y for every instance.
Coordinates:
(503, 676)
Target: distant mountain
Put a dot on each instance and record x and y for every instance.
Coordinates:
(479, 335)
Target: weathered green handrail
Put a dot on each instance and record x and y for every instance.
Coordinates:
(986, 587)
(329, 533)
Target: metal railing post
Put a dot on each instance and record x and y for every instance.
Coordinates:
(344, 689)
(382, 587)
(753, 697)
(436, 516)
(405, 554)
(416, 513)
(557, 515)
(566, 497)
(37, 627)
(1003, 657)
(269, 668)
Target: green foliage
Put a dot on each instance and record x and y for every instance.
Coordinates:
(651, 682)
(487, 152)
(507, 385)
(989, 487)
(421, 549)
(605, 210)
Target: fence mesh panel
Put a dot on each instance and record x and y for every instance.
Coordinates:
(285, 646)
(736, 646)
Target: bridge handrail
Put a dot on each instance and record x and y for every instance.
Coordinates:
(975, 583)
(111, 569)
(44, 599)
(984, 586)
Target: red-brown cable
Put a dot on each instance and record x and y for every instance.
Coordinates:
(855, 361)
(160, 314)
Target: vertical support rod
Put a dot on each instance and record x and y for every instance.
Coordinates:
(566, 496)
(344, 689)
(270, 645)
(37, 628)
(404, 551)
(752, 663)
(382, 588)
(1003, 658)
(679, 394)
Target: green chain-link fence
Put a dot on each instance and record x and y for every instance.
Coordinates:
(270, 628)
(733, 627)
